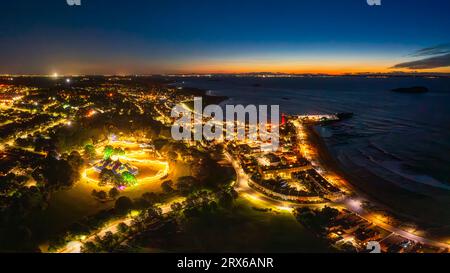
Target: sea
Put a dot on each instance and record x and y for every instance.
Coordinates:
(401, 138)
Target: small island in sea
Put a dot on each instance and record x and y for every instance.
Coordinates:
(411, 90)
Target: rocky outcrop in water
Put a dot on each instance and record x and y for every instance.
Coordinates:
(411, 90)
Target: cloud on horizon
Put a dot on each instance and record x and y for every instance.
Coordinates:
(430, 51)
(440, 58)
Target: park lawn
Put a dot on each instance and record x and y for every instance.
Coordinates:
(69, 206)
(243, 229)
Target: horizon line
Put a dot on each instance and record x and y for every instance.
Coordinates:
(394, 73)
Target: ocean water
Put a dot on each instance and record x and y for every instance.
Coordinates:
(402, 138)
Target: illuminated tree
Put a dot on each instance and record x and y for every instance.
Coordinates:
(129, 179)
(108, 152)
(118, 151)
(107, 177)
(89, 150)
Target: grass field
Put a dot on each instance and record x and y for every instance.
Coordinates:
(68, 206)
(243, 229)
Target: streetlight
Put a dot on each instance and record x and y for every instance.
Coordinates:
(355, 204)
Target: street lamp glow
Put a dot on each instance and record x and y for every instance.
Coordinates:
(285, 208)
(68, 80)
(355, 204)
(55, 75)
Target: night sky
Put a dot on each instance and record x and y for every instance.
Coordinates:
(214, 36)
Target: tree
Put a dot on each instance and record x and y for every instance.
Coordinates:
(113, 193)
(226, 200)
(167, 186)
(203, 168)
(99, 194)
(186, 184)
(89, 151)
(108, 242)
(55, 174)
(102, 195)
(123, 205)
(176, 207)
(123, 228)
(129, 179)
(151, 197)
(172, 155)
(108, 152)
(327, 215)
(75, 160)
(159, 143)
(154, 212)
(141, 203)
(89, 247)
(108, 177)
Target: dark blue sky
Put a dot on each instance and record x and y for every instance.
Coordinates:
(106, 36)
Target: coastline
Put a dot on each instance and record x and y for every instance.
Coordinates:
(207, 99)
(427, 211)
(402, 204)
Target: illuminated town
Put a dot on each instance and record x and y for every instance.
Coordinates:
(224, 135)
(109, 138)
